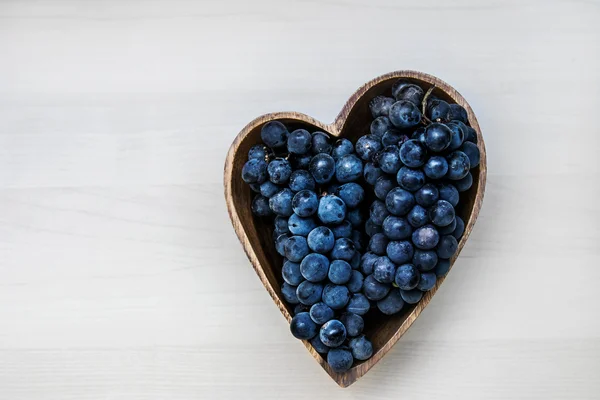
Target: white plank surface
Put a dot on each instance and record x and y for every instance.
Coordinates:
(120, 276)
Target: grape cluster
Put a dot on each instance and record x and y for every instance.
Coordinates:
(415, 162)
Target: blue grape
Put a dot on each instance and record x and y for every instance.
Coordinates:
(341, 148)
(353, 323)
(322, 168)
(427, 195)
(392, 303)
(411, 296)
(321, 240)
(280, 242)
(281, 225)
(393, 137)
(305, 203)
(343, 249)
(260, 206)
(351, 193)
(301, 161)
(437, 137)
(407, 277)
(301, 180)
(417, 216)
(449, 193)
(291, 273)
(425, 260)
(437, 110)
(398, 85)
(254, 171)
(404, 114)
(378, 212)
(358, 304)
(441, 213)
(380, 106)
(299, 141)
(289, 293)
(427, 281)
(458, 165)
(442, 268)
(274, 134)
(413, 154)
(447, 246)
(343, 229)
(465, 183)
(378, 244)
(383, 185)
(320, 143)
(309, 293)
(268, 189)
(314, 267)
(380, 125)
(296, 248)
(396, 228)
(258, 151)
(366, 146)
(301, 226)
(367, 262)
(457, 112)
(425, 237)
(399, 201)
(410, 179)
(281, 202)
(448, 229)
(389, 159)
(361, 348)
(340, 360)
(400, 252)
(348, 168)
(372, 228)
(321, 313)
(371, 173)
(472, 151)
(458, 135)
(470, 134)
(302, 327)
(339, 272)
(460, 228)
(335, 296)
(384, 270)
(375, 290)
(410, 92)
(318, 345)
(436, 167)
(332, 209)
(355, 283)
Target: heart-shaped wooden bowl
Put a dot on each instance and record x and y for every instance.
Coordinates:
(352, 122)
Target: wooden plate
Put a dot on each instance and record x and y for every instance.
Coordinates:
(352, 122)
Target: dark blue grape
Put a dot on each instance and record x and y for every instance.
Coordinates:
(436, 167)
(378, 212)
(396, 228)
(457, 112)
(332, 209)
(309, 293)
(322, 168)
(380, 106)
(437, 110)
(447, 246)
(366, 146)
(404, 114)
(383, 185)
(425, 237)
(448, 229)
(460, 228)
(361, 348)
(268, 189)
(343, 249)
(336, 296)
(442, 268)
(355, 283)
(260, 206)
(384, 270)
(427, 281)
(260, 151)
(295, 248)
(427, 196)
(340, 360)
(392, 303)
(367, 261)
(289, 293)
(321, 240)
(301, 180)
(341, 148)
(320, 143)
(301, 226)
(417, 216)
(321, 313)
(472, 151)
(437, 137)
(375, 290)
(399, 201)
(380, 125)
(318, 345)
(305, 203)
(351, 193)
(458, 165)
(378, 244)
(441, 213)
(355, 217)
(342, 230)
(299, 141)
(280, 242)
(353, 323)
(254, 171)
(410, 179)
(291, 273)
(412, 93)
(425, 260)
(371, 173)
(301, 161)
(413, 154)
(449, 193)
(274, 134)
(458, 135)
(411, 296)
(470, 134)
(358, 304)
(314, 267)
(392, 137)
(465, 183)
(398, 85)
(389, 160)
(372, 228)
(339, 272)
(281, 202)
(407, 277)
(400, 252)
(281, 225)
(302, 327)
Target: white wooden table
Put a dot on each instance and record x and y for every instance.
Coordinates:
(121, 277)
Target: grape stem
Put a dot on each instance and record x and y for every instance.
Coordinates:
(426, 121)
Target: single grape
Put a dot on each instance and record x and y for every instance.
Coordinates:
(378, 212)
(460, 228)
(361, 348)
(351, 193)
(314, 267)
(336, 296)
(299, 141)
(411, 296)
(425, 260)
(322, 168)
(447, 246)
(427, 196)
(355, 283)
(400, 252)
(332, 209)
(427, 281)
(305, 203)
(378, 244)
(301, 180)
(295, 248)
(458, 135)
(260, 206)
(413, 154)
(281, 225)
(412, 93)
(392, 303)
(437, 110)
(437, 137)
(380, 106)
(291, 273)
(318, 345)
(380, 125)
(449, 193)
(281, 202)
(274, 134)
(458, 165)
(425, 237)
(302, 327)
(260, 152)
(321, 313)
(320, 143)
(442, 268)
(396, 228)
(389, 160)
(441, 213)
(399, 201)
(470, 134)
(339, 272)
(371, 173)
(372, 228)
(343, 249)
(341, 148)
(392, 137)
(375, 290)
(367, 262)
(268, 189)
(321, 240)
(384, 270)
(383, 185)
(353, 323)
(436, 167)
(472, 151)
(301, 226)
(309, 293)
(398, 85)
(340, 360)
(254, 171)
(289, 293)
(280, 242)
(465, 183)
(358, 304)
(407, 277)
(366, 146)
(417, 216)
(448, 229)
(404, 114)
(343, 229)
(457, 112)
(410, 179)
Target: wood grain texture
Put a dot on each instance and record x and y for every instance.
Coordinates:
(121, 277)
(352, 122)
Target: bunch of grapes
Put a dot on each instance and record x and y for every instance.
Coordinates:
(414, 165)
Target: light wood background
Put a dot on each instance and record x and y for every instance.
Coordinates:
(120, 275)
